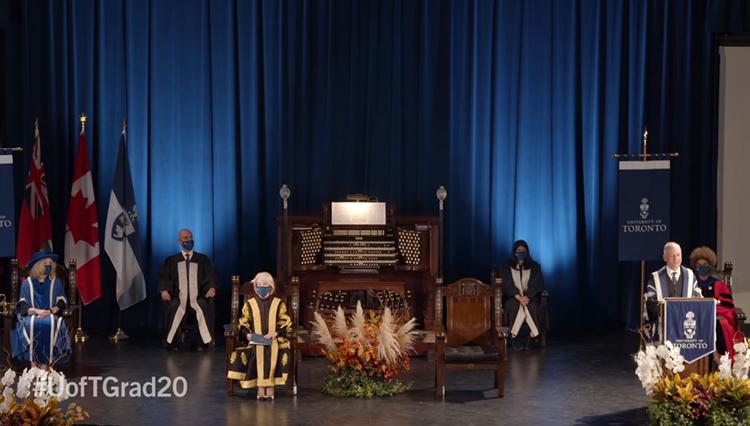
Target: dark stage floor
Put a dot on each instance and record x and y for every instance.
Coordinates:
(580, 381)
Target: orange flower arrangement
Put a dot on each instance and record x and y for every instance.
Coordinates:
(367, 353)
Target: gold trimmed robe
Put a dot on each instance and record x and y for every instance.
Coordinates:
(257, 365)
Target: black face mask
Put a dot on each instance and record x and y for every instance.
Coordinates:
(263, 292)
(522, 255)
(703, 270)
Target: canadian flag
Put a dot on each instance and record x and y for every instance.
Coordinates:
(82, 230)
(34, 229)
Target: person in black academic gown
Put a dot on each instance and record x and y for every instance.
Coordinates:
(187, 280)
(522, 293)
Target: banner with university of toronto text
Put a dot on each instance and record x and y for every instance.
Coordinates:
(644, 209)
(7, 206)
(690, 324)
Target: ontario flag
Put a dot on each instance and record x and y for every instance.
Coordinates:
(82, 230)
(34, 228)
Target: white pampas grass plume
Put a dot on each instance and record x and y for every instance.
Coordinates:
(321, 333)
(388, 348)
(339, 323)
(406, 335)
(357, 331)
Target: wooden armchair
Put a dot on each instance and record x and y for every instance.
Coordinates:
(473, 315)
(241, 292)
(8, 308)
(739, 315)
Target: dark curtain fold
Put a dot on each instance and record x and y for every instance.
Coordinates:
(517, 107)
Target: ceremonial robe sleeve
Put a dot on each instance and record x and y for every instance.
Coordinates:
(58, 292)
(509, 288)
(652, 305)
(283, 321)
(166, 283)
(245, 324)
(536, 283)
(24, 299)
(209, 280)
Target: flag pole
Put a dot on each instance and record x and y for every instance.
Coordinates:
(119, 334)
(79, 336)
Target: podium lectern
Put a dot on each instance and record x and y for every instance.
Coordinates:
(690, 324)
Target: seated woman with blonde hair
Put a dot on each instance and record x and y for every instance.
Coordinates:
(40, 336)
(263, 361)
(703, 262)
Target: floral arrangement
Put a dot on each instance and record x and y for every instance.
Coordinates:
(719, 398)
(367, 353)
(35, 399)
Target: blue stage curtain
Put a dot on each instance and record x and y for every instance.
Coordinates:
(517, 107)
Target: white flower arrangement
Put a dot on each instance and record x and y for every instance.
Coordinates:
(721, 397)
(40, 385)
(654, 361)
(737, 368)
(35, 399)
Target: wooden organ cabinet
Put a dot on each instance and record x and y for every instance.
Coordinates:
(361, 251)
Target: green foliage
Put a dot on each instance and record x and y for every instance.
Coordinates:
(349, 382)
(670, 413)
(700, 400)
(723, 416)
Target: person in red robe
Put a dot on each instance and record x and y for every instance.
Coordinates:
(703, 262)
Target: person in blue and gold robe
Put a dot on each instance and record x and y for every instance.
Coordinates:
(265, 328)
(40, 335)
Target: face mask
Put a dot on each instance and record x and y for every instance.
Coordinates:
(263, 292)
(187, 245)
(703, 270)
(48, 269)
(522, 255)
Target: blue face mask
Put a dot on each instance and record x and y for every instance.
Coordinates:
(703, 270)
(48, 269)
(522, 255)
(263, 292)
(188, 245)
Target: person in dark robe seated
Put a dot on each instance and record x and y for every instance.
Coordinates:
(263, 361)
(186, 281)
(703, 261)
(672, 280)
(522, 294)
(40, 335)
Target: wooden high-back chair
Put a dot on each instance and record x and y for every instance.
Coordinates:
(241, 292)
(17, 275)
(739, 315)
(470, 337)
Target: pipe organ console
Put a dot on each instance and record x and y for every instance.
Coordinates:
(361, 251)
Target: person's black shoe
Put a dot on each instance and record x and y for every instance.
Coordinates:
(174, 346)
(535, 342)
(515, 342)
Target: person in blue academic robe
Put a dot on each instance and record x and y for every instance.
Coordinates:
(672, 280)
(40, 335)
